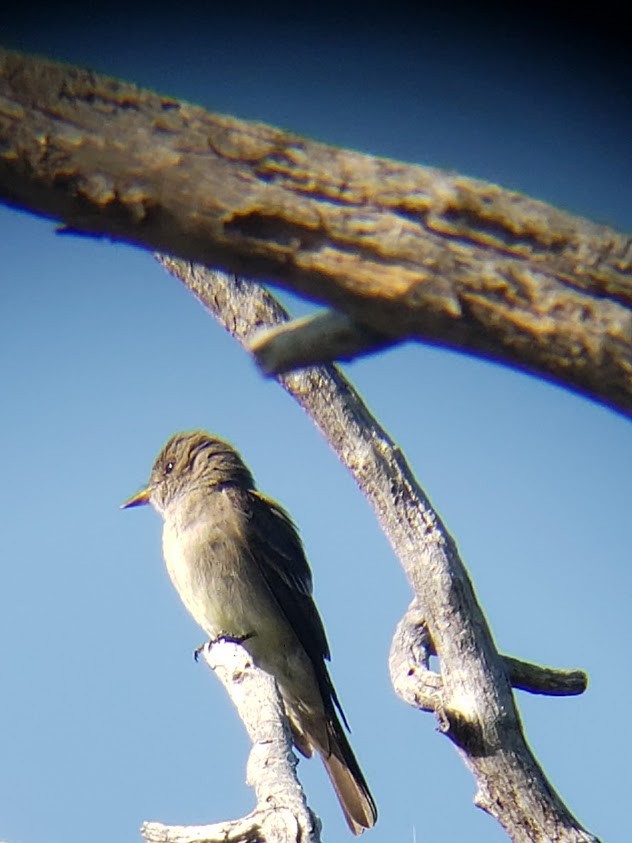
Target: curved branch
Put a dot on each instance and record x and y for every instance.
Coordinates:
(281, 814)
(406, 251)
(475, 704)
(409, 665)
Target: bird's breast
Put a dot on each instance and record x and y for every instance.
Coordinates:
(220, 583)
(209, 563)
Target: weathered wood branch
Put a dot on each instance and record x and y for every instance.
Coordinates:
(409, 662)
(548, 681)
(406, 251)
(325, 336)
(473, 701)
(281, 814)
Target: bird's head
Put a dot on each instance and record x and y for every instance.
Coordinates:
(191, 461)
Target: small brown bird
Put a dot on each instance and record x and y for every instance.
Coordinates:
(238, 564)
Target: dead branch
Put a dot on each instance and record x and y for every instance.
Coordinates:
(419, 686)
(404, 251)
(281, 814)
(472, 697)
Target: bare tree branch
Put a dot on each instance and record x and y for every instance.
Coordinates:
(549, 681)
(417, 685)
(325, 336)
(281, 815)
(404, 251)
(472, 699)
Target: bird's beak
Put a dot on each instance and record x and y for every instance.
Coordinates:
(137, 500)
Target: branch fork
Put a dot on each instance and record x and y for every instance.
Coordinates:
(472, 694)
(399, 249)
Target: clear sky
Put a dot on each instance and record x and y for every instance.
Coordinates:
(105, 720)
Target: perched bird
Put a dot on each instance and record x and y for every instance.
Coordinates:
(237, 562)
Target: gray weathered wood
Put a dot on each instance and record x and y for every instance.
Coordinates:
(474, 703)
(281, 814)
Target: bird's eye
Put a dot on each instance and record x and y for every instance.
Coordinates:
(169, 467)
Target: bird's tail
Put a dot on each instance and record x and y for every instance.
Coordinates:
(349, 783)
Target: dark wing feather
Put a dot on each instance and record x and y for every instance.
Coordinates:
(278, 551)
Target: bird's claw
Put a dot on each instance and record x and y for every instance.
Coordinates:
(222, 636)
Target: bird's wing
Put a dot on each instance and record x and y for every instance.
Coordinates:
(278, 551)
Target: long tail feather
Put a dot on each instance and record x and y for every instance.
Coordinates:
(349, 783)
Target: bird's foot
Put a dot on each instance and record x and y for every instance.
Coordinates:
(222, 636)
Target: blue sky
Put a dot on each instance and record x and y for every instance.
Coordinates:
(105, 720)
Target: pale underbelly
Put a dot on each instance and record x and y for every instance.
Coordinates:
(227, 595)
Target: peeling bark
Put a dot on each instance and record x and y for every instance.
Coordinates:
(406, 251)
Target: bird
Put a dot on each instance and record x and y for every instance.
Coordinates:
(237, 562)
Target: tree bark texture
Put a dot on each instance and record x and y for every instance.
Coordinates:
(472, 697)
(404, 251)
(281, 814)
